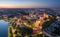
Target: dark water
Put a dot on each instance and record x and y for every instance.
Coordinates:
(3, 28)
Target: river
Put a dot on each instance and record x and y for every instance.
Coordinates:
(3, 28)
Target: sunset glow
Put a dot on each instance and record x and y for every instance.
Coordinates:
(29, 3)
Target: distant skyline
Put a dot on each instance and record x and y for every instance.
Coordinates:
(29, 3)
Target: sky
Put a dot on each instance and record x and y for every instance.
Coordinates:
(29, 3)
